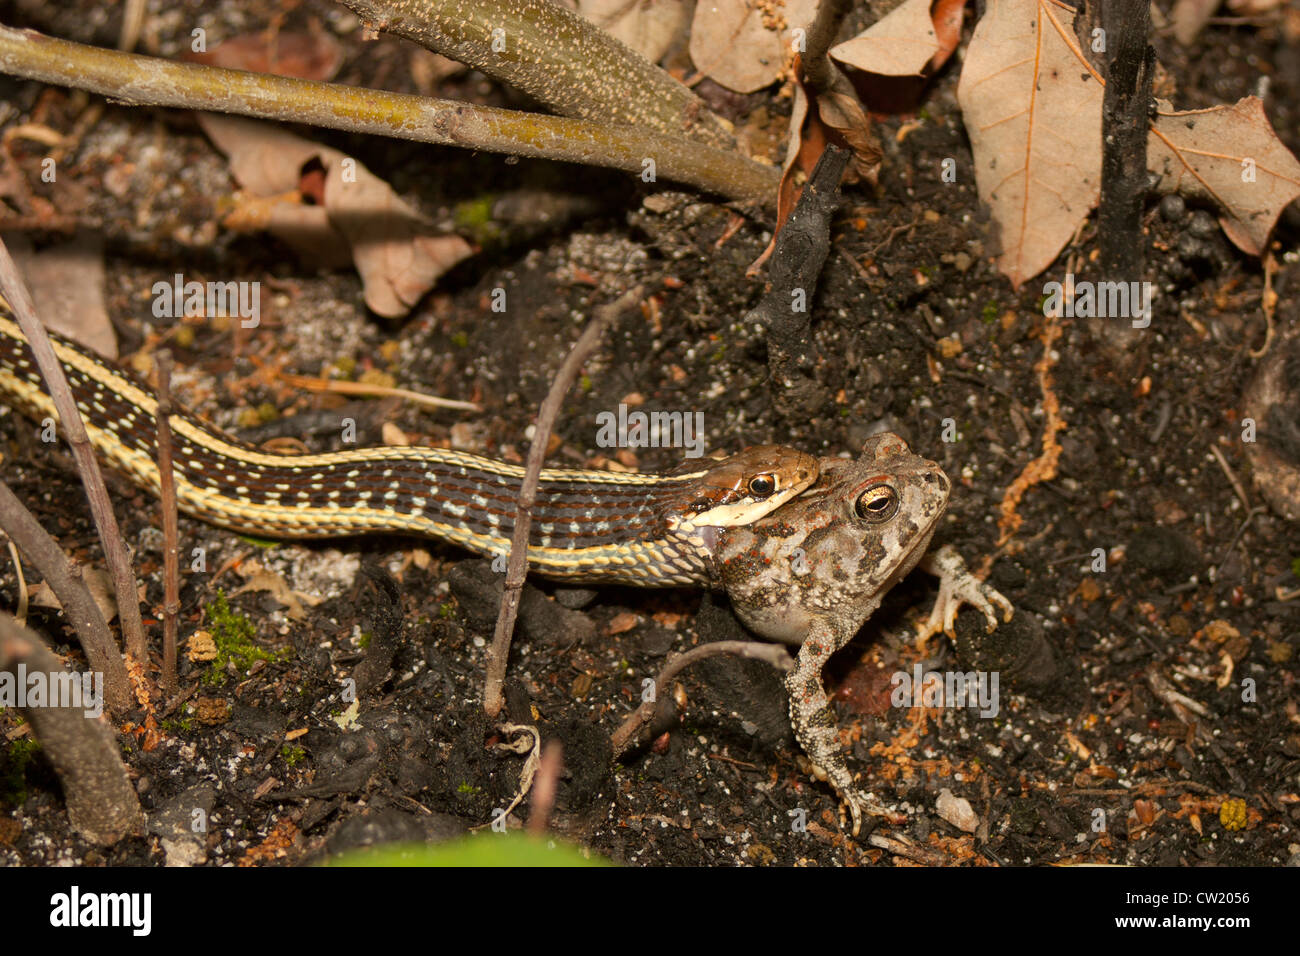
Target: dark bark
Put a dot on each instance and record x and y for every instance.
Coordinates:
(797, 259)
(1130, 63)
(102, 804)
(79, 608)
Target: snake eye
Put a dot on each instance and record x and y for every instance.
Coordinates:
(761, 486)
(878, 503)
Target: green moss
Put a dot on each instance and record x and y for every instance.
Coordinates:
(474, 216)
(467, 788)
(585, 383)
(1295, 567)
(293, 755)
(14, 761)
(446, 610)
(990, 313)
(184, 724)
(364, 640)
(235, 637)
(459, 339)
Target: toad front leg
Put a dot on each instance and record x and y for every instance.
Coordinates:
(957, 586)
(814, 721)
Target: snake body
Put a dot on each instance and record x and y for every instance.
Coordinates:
(595, 526)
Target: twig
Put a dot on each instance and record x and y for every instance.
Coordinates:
(1268, 303)
(1250, 516)
(74, 430)
(17, 559)
(544, 787)
(1232, 477)
(167, 496)
(554, 55)
(150, 81)
(79, 607)
(383, 391)
(517, 567)
(102, 804)
(815, 62)
(132, 22)
(906, 850)
(774, 654)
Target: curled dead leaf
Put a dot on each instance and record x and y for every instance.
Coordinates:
(398, 254)
(1229, 154)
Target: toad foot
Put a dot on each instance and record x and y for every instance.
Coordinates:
(957, 586)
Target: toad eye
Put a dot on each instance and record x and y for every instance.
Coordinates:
(762, 486)
(700, 505)
(878, 503)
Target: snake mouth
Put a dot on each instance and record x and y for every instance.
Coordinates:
(708, 535)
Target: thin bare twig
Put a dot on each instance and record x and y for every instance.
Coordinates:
(78, 606)
(518, 563)
(74, 430)
(908, 851)
(815, 62)
(167, 497)
(150, 81)
(1233, 480)
(774, 654)
(17, 559)
(545, 783)
(381, 391)
(102, 804)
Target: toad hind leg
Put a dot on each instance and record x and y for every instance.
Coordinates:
(814, 721)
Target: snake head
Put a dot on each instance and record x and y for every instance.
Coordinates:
(743, 488)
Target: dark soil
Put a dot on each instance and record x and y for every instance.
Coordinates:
(1085, 760)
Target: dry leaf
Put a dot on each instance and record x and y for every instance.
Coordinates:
(258, 578)
(836, 116)
(1032, 108)
(1229, 154)
(310, 56)
(743, 47)
(75, 309)
(647, 26)
(947, 17)
(398, 254)
(848, 125)
(899, 44)
(1188, 18)
(98, 582)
